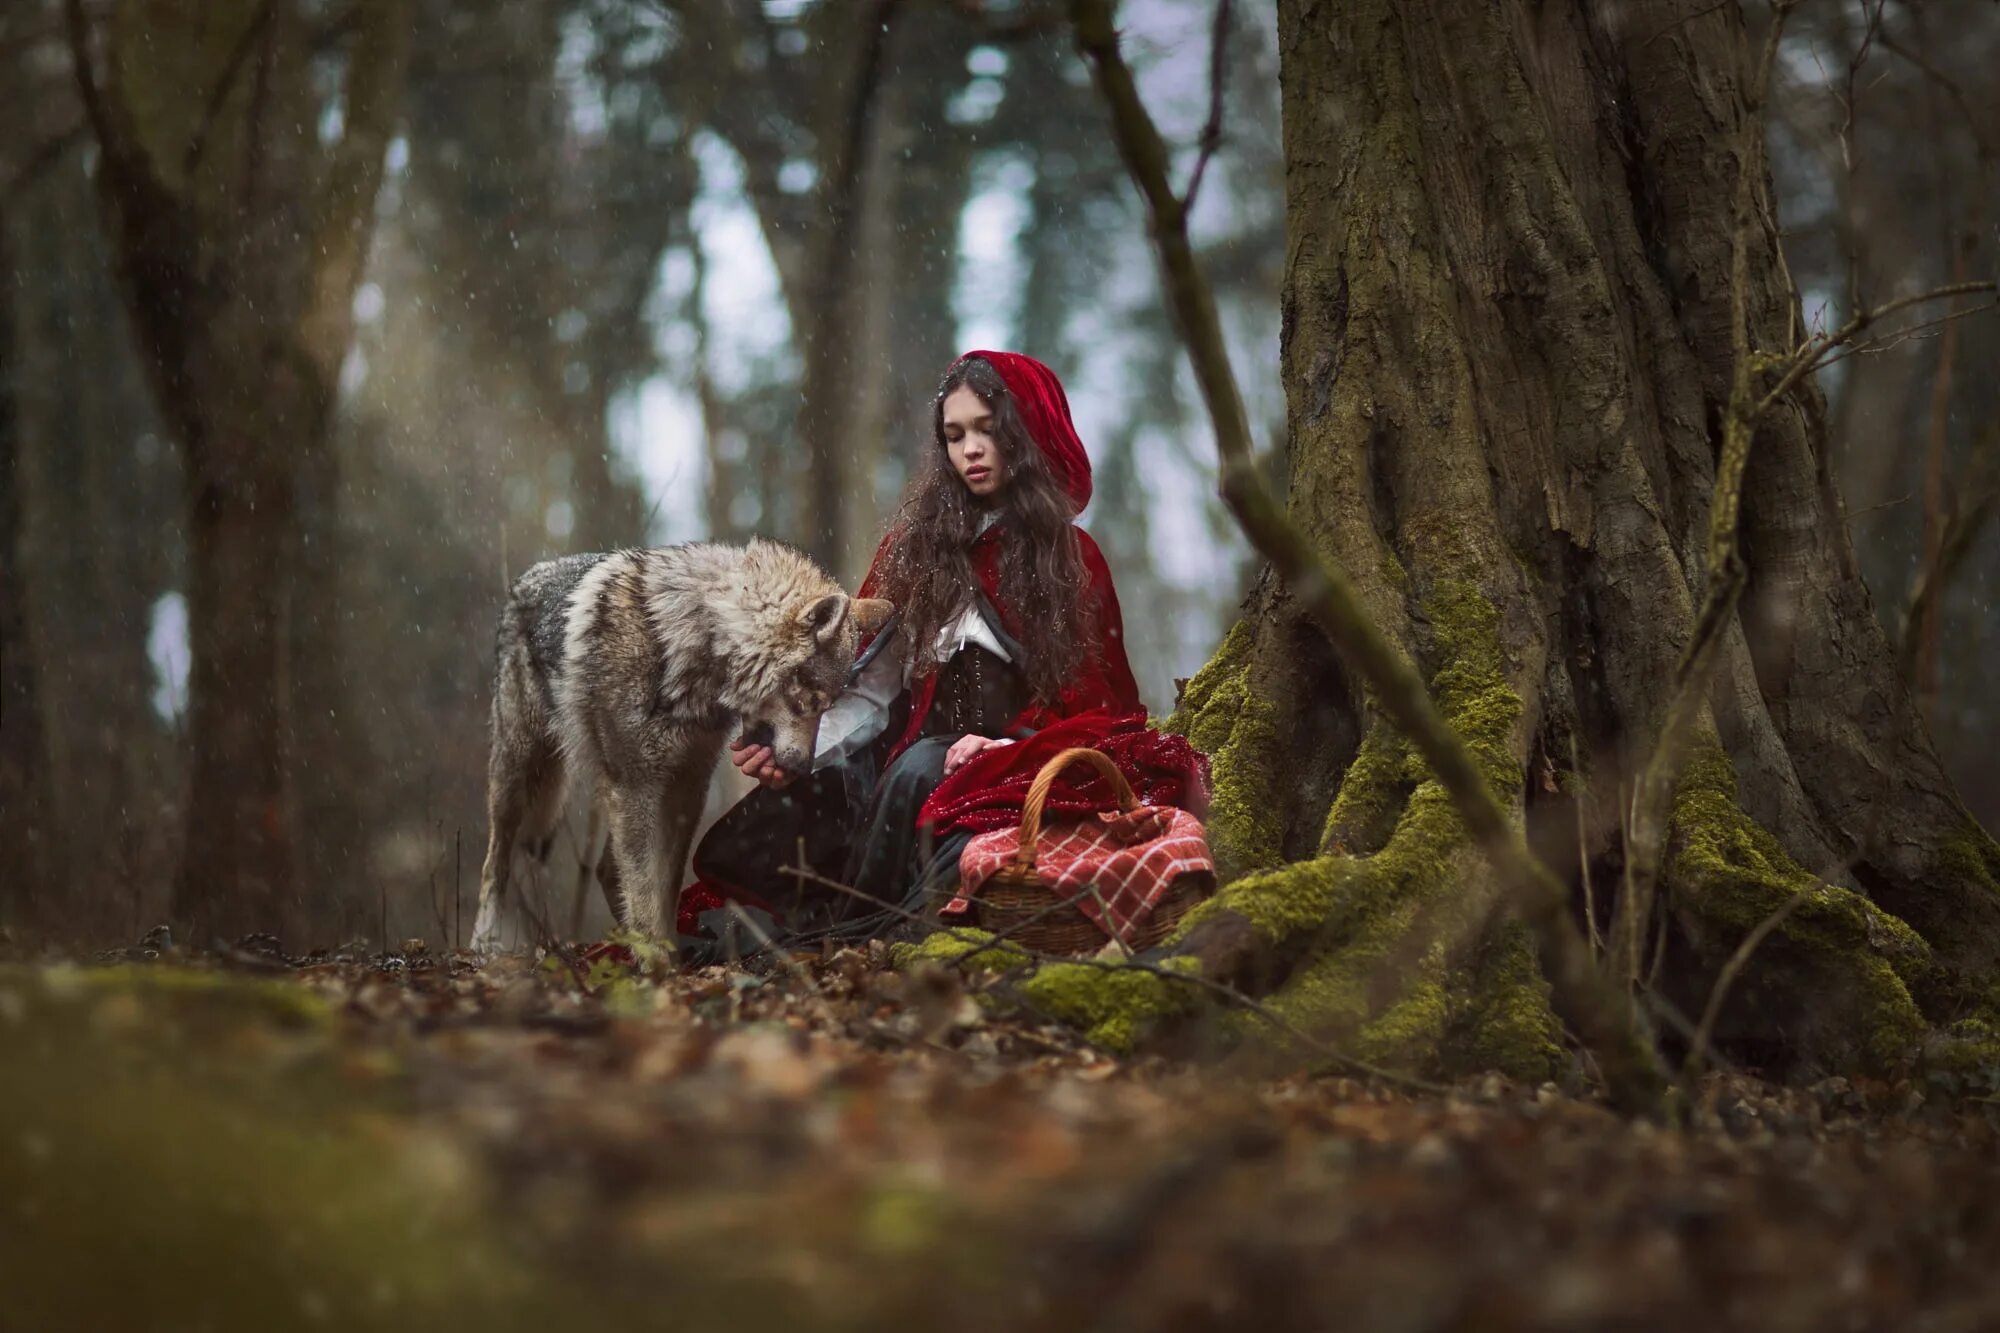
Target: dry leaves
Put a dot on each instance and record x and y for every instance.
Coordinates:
(838, 1143)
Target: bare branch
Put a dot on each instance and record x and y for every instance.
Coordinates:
(1705, 1031)
(1854, 64)
(1605, 1014)
(346, 200)
(1980, 138)
(1211, 132)
(46, 155)
(985, 941)
(87, 86)
(1908, 333)
(1979, 493)
(1813, 354)
(239, 55)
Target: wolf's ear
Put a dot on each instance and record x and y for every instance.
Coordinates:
(824, 618)
(872, 613)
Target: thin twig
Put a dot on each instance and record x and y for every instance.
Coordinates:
(239, 56)
(1583, 856)
(1211, 132)
(552, 944)
(1886, 504)
(1897, 337)
(1930, 71)
(1686, 19)
(1812, 354)
(790, 963)
(1854, 64)
(985, 941)
(47, 154)
(1705, 1030)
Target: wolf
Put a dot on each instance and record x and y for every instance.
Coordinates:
(623, 673)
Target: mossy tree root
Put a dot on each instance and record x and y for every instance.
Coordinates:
(1392, 953)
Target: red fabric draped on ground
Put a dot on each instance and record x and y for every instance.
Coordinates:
(988, 792)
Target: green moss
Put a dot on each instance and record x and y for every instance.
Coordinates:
(1222, 716)
(1392, 569)
(1115, 1006)
(1964, 1058)
(1191, 717)
(1471, 686)
(1728, 875)
(1970, 857)
(1410, 1030)
(186, 993)
(1504, 1021)
(1372, 793)
(1379, 930)
(960, 944)
(246, 1169)
(902, 1216)
(1363, 912)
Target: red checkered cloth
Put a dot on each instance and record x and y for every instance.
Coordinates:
(1130, 859)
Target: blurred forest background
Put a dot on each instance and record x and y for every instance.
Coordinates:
(646, 272)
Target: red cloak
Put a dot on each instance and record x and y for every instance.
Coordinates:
(1105, 680)
(1099, 708)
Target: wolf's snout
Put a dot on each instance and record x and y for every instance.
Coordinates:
(792, 741)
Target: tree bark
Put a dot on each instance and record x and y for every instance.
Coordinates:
(23, 761)
(1506, 353)
(240, 237)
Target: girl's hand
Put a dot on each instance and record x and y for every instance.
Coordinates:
(759, 763)
(964, 748)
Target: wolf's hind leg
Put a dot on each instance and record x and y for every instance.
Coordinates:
(524, 798)
(681, 800)
(588, 858)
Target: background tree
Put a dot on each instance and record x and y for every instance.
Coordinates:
(240, 220)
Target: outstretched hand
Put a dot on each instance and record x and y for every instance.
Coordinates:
(759, 763)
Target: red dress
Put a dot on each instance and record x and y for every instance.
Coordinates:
(1100, 707)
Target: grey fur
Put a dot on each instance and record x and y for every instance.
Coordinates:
(623, 673)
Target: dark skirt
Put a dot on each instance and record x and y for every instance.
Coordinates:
(852, 826)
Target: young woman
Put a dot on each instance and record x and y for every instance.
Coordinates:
(1006, 624)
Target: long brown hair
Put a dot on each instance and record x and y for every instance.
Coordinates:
(1043, 583)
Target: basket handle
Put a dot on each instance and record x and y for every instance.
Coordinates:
(1038, 792)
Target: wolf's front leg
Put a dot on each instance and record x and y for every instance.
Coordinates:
(638, 847)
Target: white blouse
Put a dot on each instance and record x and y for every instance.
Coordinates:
(860, 713)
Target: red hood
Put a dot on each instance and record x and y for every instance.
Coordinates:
(1039, 397)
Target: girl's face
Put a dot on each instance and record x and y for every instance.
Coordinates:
(968, 437)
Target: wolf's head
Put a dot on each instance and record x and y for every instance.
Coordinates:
(793, 650)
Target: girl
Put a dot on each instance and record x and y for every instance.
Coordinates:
(1006, 624)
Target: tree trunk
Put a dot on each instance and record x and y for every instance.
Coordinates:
(98, 545)
(1506, 352)
(23, 760)
(240, 236)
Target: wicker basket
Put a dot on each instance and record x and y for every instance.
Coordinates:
(1016, 903)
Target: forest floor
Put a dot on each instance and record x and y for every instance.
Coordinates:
(356, 1141)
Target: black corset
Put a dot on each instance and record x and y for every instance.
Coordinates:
(978, 693)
